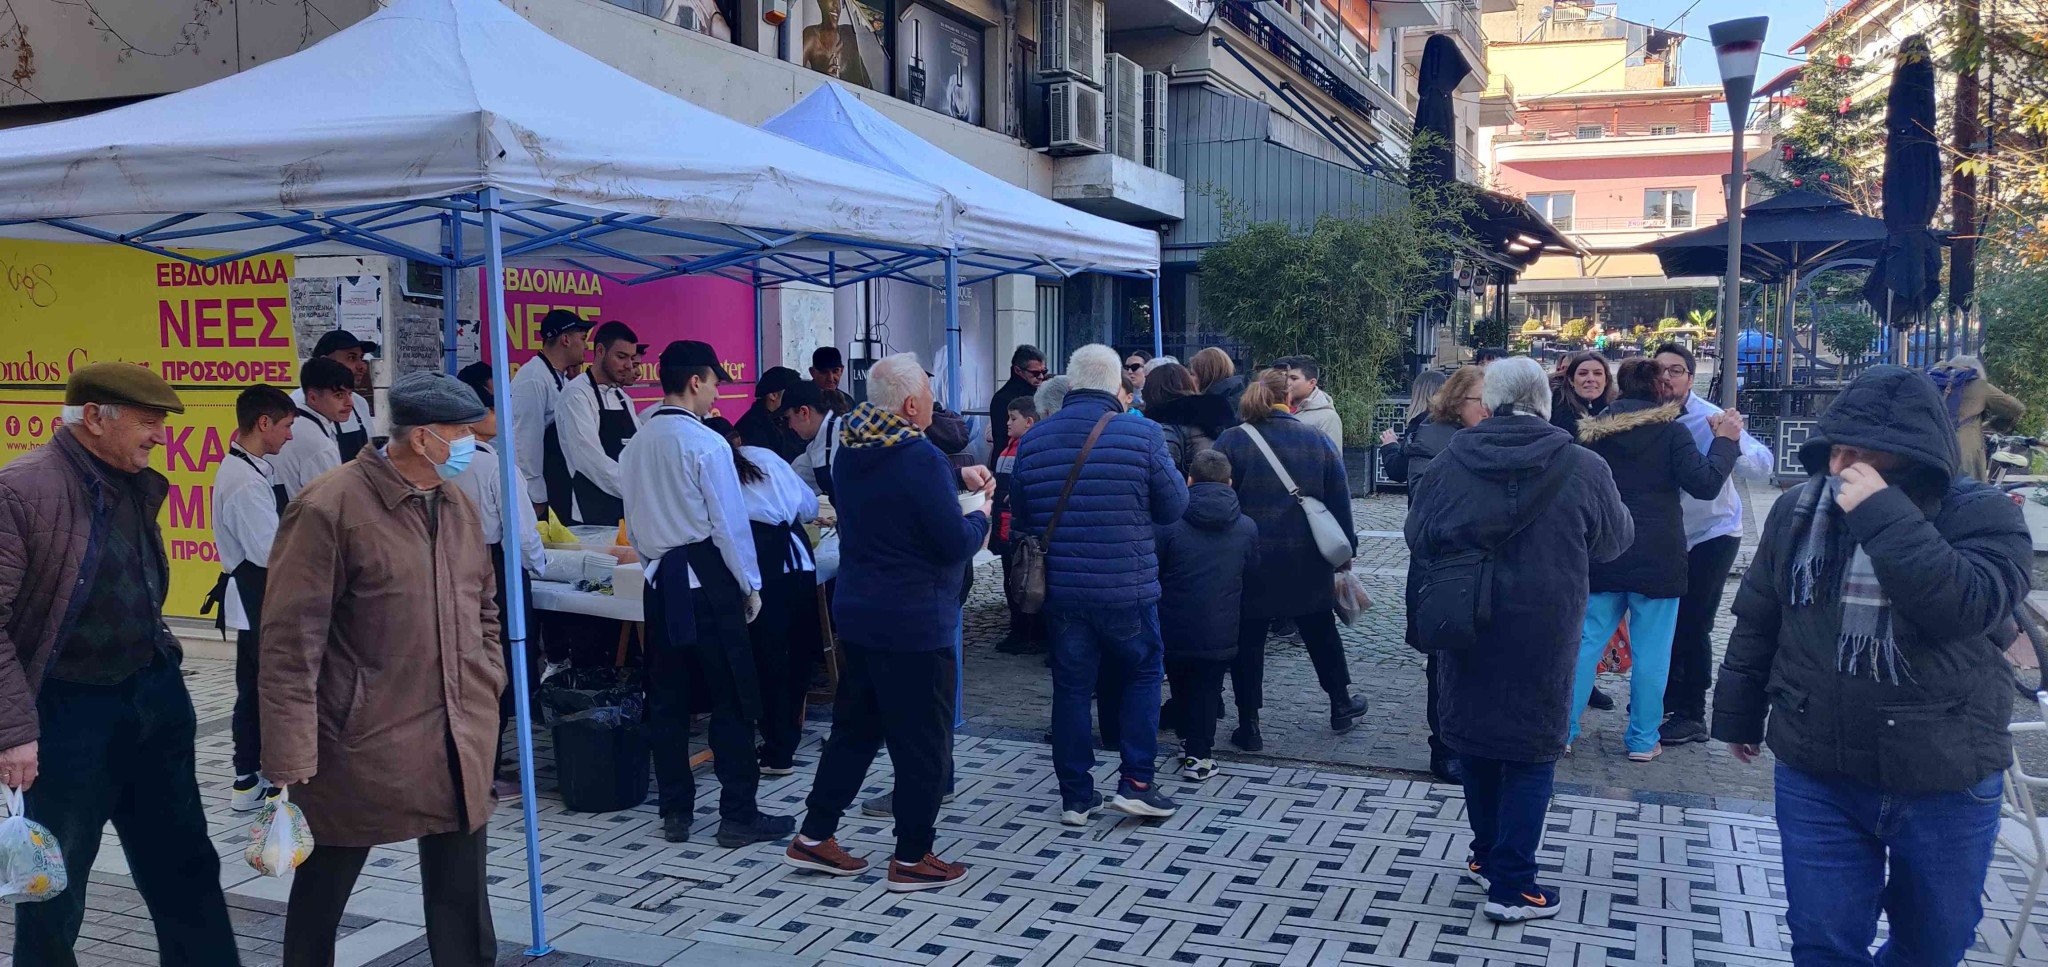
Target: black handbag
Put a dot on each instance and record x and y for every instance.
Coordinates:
(1454, 602)
(1024, 562)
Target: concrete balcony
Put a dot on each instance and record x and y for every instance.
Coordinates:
(1461, 21)
(1181, 15)
(1497, 106)
(1118, 188)
(1507, 150)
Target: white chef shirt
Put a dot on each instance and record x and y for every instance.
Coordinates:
(480, 481)
(358, 416)
(309, 453)
(576, 420)
(818, 454)
(680, 488)
(535, 389)
(1721, 516)
(780, 497)
(244, 522)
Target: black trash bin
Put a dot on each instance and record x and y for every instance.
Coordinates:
(601, 759)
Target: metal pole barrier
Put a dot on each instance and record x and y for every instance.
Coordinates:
(451, 281)
(1158, 324)
(515, 591)
(1731, 296)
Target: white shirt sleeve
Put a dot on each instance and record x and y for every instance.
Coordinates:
(576, 422)
(1757, 461)
(250, 513)
(529, 429)
(730, 528)
(306, 455)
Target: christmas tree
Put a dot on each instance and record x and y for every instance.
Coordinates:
(1835, 146)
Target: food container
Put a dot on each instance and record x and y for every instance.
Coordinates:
(970, 501)
(629, 582)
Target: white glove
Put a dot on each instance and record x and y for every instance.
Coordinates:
(753, 606)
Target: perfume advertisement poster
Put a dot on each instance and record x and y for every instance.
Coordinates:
(938, 63)
(845, 39)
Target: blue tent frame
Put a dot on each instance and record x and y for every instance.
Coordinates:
(546, 229)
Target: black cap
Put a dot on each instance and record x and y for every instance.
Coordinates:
(803, 392)
(719, 425)
(615, 331)
(685, 353)
(775, 380)
(341, 341)
(559, 321)
(827, 357)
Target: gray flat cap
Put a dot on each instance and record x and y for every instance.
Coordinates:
(419, 399)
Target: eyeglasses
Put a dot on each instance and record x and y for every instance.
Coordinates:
(1037, 373)
(1133, 367)
(1676, 369)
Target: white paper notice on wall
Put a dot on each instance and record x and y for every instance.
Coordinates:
(359, 306)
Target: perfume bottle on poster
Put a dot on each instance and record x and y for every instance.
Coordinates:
(917, 72)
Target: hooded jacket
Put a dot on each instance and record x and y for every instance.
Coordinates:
(1509, 697)
(1654, 459)
(1191, 424)
(1952, 558)
(1203, 560)
(1320, 414)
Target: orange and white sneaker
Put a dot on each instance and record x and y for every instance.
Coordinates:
(1536, 903)
(827, 857)
(929, 873)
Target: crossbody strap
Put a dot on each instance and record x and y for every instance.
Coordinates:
(1286, 480)
(1075, 475)
(1546, 494)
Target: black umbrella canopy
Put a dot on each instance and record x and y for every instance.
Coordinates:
(1907, 277)
(1783, 235)
(1442, 70)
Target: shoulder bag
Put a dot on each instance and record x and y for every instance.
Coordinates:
(1454, 600)
(1024, 562)
(1322, 525)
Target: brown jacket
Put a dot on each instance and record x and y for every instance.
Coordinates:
(50, 502)
(380, 659)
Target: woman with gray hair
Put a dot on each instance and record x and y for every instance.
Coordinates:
(1516, 489)
(1973, 402)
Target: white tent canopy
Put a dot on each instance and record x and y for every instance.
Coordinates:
(429, 99)
(994, 216)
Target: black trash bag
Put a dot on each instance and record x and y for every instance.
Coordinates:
(581, 689)
(601, 759)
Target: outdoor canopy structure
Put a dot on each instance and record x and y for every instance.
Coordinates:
(426, 132)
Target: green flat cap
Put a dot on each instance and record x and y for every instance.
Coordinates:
(121, 383)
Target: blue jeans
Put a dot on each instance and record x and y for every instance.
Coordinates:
(1839, 836)
(1083, 642)
(1651, 623)
(1506, 802)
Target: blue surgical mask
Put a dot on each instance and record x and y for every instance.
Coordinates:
(460, 451)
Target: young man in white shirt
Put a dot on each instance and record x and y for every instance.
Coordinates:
(687, 516)
(325, 398)
(247, 501)
(536, 389)
(350, 432)
(594, 418)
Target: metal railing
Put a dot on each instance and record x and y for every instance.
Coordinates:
(1465, 20)
(1626, 223)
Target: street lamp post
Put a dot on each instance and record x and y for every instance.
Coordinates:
(1737, 45)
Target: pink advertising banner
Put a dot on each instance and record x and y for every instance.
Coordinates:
(717, 311)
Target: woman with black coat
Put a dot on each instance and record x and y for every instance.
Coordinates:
(1191, 418)
(1216, 375)
(1654, 459)
(1583, 387)
(1293, 580)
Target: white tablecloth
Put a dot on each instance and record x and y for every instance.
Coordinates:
(556, 596)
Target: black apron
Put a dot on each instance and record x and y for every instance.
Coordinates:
(250, 578)
(554, 468)
(614, 428)
(351, 442)
(824, 474)
(710, 623)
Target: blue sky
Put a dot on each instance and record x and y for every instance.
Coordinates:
(1790, 19)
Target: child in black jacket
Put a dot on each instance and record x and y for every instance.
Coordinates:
(1203, 559)
(1027, 631)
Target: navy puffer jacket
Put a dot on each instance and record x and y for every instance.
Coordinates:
(1102, 556)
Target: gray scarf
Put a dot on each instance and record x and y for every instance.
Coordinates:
(1866, 644)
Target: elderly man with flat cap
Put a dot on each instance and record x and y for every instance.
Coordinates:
(380, 673)
(95, 722)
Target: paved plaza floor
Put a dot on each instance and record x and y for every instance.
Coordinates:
(1324, 850)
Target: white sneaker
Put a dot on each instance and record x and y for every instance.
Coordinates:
(1197, 770)
(251, 799)
(1081, 815)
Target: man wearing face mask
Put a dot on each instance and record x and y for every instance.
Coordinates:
(1868, 653)
(381, 671)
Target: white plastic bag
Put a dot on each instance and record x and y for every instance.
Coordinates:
(279, 839)
(31, 866)
(1352, 599)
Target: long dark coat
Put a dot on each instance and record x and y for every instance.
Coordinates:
(1292, 579)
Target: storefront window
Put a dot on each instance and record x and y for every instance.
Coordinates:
(939, 63)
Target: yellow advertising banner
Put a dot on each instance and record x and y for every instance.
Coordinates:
(209, 330)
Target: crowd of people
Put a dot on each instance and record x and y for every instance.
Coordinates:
(1171, 518)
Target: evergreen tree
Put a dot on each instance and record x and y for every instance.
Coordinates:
(1834, 146)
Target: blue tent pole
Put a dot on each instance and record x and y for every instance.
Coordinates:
(451, 281)
(515, 591)
(1158, 322)
(953, 398)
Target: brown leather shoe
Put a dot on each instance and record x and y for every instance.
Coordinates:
(827, 857)
(930, 873)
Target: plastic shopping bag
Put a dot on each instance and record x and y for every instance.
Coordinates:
(1618, 658)
(279, 840)
(31, 866)
(1352, 600)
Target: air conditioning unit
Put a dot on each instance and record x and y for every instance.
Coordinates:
(1155, 121)
(1124, 98)
(1074, 115)
(1070, 39)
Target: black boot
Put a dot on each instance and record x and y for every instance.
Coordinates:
(676, 828)
(1345, 711)
(1247, 736)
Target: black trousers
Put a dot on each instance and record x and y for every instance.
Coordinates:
(677, 672)
(1030, 627)
(458, 907)
(243, 723)
(1197, 693)
(787, 646)
(1438, 751)
(901, 699)
(1325, 652)
(1692, 645)
(124, 753)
